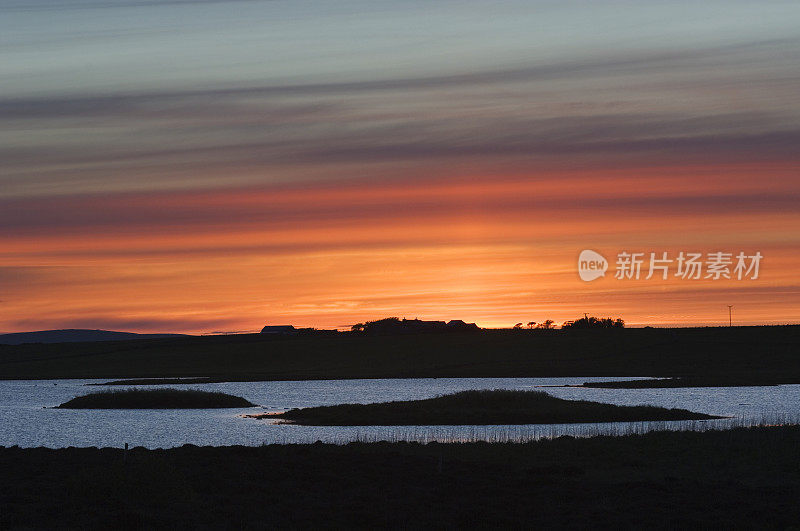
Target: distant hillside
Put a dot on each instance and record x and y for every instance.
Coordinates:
(73, 336)
(763, 355)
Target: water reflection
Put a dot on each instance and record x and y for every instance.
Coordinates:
(26, 423)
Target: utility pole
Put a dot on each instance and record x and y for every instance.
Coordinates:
(730, 318)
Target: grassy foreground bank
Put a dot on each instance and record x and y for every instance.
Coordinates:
(743, 478)
(155, 399)
(483, 408)
(745, 353)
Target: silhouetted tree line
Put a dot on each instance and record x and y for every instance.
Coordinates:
(593, 322)
(396, 325)
(547, 324)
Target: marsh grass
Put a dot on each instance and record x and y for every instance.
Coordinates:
(520, 434)
(155, 399)
(734, 479)
(497, 407)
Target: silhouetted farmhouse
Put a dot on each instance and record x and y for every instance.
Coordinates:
(286, 330)
(393, 325)
(458, 324)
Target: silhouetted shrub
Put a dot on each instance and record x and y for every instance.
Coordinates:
(593, 322)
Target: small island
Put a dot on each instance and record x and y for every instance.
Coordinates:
(155, 399)
(479, 408)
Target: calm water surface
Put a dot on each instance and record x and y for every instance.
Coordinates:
(25, 422)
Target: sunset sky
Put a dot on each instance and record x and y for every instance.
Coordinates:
(209, 166)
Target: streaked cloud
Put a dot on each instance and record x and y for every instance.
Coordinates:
(201, 165)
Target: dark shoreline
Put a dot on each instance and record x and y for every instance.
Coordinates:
(157, 381)
(741, 478)
(748, 355)
(676, 383)
(659, 383)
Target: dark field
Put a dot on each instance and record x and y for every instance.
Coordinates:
(481, 407)
(745, 354)
(155, 399)
(738, 479)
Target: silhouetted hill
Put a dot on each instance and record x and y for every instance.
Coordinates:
(74, 336)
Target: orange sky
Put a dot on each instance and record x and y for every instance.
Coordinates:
(491, 249)
(190, 167)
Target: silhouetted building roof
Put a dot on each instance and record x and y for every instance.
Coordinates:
(459, 324)
(418, 323)
(279, 329)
